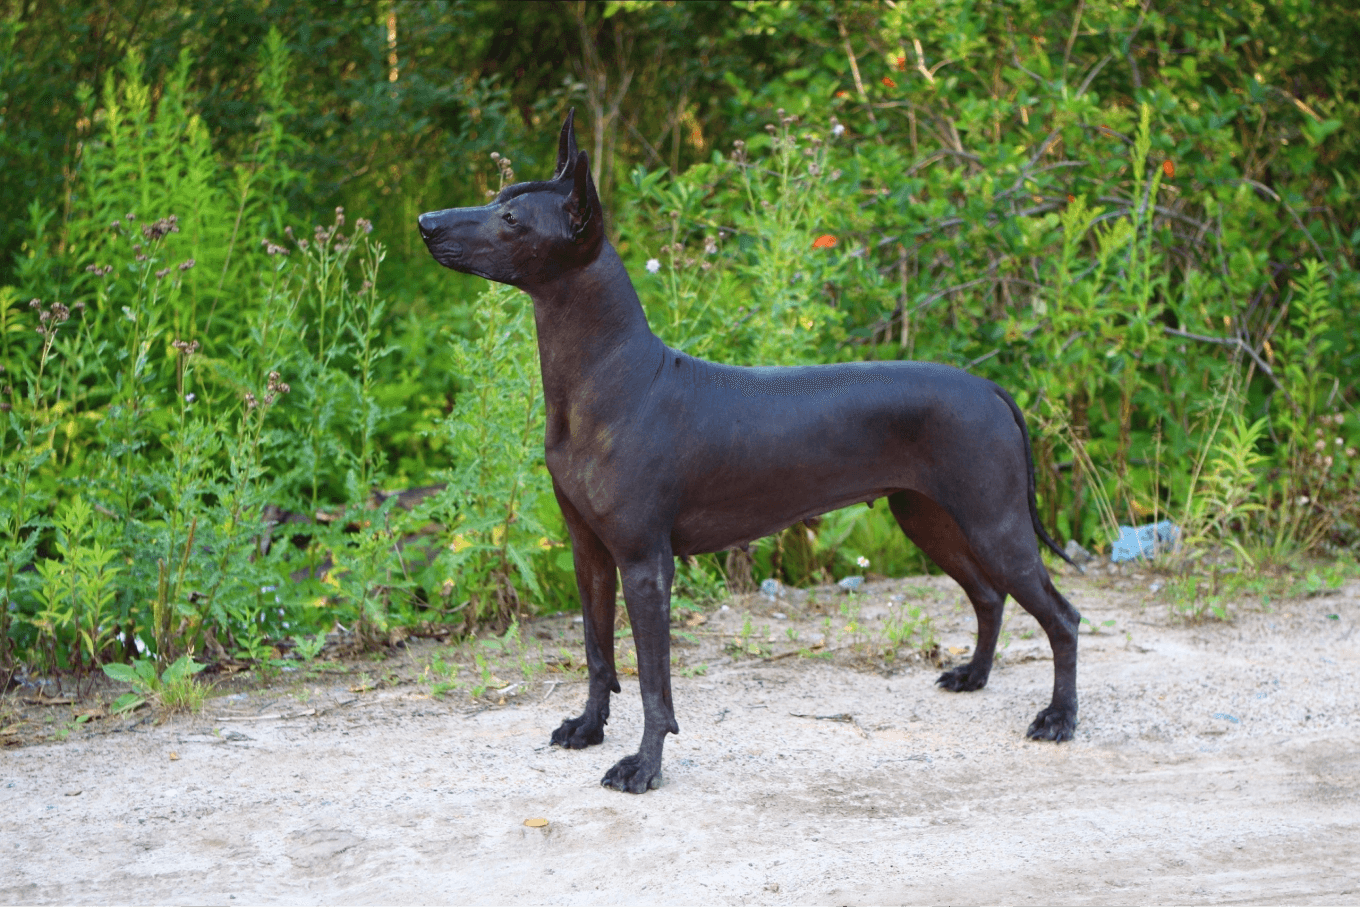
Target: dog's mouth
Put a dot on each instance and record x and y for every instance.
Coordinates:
(445, 249)
(451, 237)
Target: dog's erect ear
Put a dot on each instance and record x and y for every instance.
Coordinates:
(566, 145)
(584, 206)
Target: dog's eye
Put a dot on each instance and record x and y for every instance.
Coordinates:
(510, 218)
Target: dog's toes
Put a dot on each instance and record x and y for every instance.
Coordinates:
(632, 775)
(961, 679)
(577, 734)
(1053, 724)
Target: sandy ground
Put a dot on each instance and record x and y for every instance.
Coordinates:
(1213, 763)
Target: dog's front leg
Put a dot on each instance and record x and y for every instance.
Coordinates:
(647, 594)
(595, 581)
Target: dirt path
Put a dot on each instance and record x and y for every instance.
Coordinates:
(1213, 763)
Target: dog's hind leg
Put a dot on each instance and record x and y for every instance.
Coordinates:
(596, 581)
(937, 534)
(1035, 592)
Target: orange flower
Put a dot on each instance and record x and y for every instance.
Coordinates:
(889, 82)
(902, 63)
(1071, 198)
(825, 241)
(1169, 169)
(842, 94)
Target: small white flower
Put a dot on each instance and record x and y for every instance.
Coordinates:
(653, 266)
(838, 130)
(189, 397)
(862, 561)
(1303, 501)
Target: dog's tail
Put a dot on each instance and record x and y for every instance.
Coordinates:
(1029, 460)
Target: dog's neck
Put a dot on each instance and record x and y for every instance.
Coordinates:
(593, 337)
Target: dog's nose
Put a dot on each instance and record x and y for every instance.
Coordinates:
(426, 224)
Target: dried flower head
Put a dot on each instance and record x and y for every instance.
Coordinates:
(186, 264)
(364, 224)
(274, 387)
(503, 164)
(50, 318)
(161, 228)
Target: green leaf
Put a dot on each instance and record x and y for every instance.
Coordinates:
(127, 702)
(122, 673)
(1316, 132)
(184, 666)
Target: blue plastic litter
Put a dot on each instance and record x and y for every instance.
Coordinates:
(1145, 541)
(1224, 716)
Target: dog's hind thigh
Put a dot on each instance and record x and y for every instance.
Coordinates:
(937, 534)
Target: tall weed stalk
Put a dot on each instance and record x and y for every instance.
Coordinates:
(493, 506)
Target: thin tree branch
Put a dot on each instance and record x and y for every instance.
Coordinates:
(1240, 344)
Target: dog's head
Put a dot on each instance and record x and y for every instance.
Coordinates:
(532, 233)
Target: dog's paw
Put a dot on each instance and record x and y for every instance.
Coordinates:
(578, 733)
(1053, 724)
(633, 775)
(962, 679)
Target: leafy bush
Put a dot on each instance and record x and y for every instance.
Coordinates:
(1141, 222)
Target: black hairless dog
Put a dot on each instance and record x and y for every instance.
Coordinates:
(655, 454)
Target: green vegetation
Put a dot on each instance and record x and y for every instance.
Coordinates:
(174, 689)
(1140, 220)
